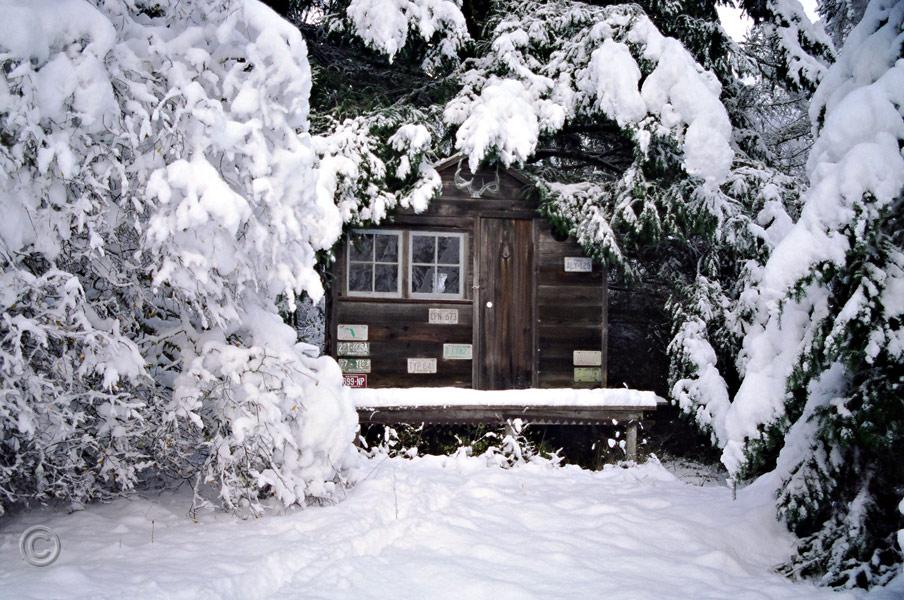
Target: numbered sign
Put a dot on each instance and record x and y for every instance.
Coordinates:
(422, 365)
(588, 358)
(354, 365)
(352, 333)
(353, 349)
(578, 264)
(457, 351)
(355, 380)
(443, 316)
(588, 375)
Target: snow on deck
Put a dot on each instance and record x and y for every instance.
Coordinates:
(433, 527)
(447, 396)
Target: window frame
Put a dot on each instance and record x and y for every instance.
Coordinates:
(409, 258)
(400, 242)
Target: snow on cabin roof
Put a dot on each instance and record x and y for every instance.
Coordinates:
(458, 157)
(457, 397)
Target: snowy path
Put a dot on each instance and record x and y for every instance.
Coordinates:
(429, 528)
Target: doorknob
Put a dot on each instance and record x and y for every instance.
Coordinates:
(489, 305)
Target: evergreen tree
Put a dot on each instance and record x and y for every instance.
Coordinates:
(162, 202)
(821, 401)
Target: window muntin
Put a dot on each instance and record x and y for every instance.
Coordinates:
(436, 266)
(374, 258)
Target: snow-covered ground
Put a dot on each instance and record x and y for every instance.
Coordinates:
(433, 527)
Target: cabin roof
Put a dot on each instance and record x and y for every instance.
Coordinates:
(458, 158)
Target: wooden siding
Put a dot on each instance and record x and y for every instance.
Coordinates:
(529, 342)
(398, 330)
(570, 311)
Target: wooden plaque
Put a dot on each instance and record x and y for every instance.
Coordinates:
(587, 358)
(578, 264)
(352, 333)
(354, 365)
(422, 365)
(443, 316)
(354, 349)
(457, 351)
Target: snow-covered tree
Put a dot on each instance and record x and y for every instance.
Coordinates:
(823, 354)
(801, 48)
(376, 162)
(162, 200)
(840, 17)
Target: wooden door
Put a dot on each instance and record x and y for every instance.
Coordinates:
(504, 303)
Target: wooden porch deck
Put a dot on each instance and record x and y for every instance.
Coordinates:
(449, 406)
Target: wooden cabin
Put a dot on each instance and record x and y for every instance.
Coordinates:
(478, 292)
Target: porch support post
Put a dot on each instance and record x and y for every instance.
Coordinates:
(631, 435)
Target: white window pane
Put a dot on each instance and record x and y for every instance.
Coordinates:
(360, 277)
(361, 247)
(422, 279)
(448, 250)
(386, 248)
(423, 249)
(386, 278)
(448, 280)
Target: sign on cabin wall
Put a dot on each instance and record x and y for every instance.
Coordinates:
(443, 316)
(588, 375)
(354, 349)
(578, 264)
(457, 351)
(355, 380)
(422, 365)
(351, 332)
(354, 365)
(588, 358)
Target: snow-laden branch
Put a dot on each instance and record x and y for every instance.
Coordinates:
(386, 25)
(159, 197)
(856, 172)
(552, 63)
(803, 47)
(824, 345)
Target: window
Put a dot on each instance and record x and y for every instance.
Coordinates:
(373, 263)
(434, 264)
(435, 269)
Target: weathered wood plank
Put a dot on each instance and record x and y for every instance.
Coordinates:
(555, 274)
(396, 313)
(564, 313)
(420, 332)
(575, 295)
(499, 414)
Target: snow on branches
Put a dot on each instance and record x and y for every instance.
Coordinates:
(803, 48)
(158, 188)
(385, 26)
(857, 175)
(550, 63)
(824, 347)
(374, 163)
